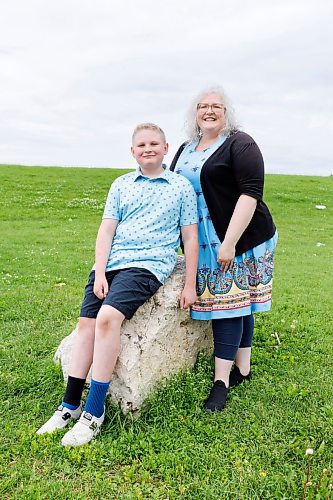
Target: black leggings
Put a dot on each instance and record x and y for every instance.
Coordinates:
(230, 334)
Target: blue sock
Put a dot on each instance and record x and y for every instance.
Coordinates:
(96, 398)
(70, 407)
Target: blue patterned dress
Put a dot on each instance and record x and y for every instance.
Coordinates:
(247, 287)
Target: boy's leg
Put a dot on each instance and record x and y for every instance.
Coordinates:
(106, 352)
(82, 354)
(71, 406)
(130, 289)
(107, 342)
(83, 348)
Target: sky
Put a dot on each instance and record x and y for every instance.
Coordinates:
(76, 77)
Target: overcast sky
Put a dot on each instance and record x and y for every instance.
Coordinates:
(77, 76)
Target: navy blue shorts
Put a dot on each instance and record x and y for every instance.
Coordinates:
(128, 290)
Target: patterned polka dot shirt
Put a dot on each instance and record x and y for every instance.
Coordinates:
(151, 212)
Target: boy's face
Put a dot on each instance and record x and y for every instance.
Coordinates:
(149, 149)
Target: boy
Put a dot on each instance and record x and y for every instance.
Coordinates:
(136, 250)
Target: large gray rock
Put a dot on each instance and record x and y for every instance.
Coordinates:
(160, 340)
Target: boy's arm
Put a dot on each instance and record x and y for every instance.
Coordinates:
(104, 239)
(191, 250)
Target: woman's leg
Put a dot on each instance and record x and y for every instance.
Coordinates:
(227, 334)
(243, 356)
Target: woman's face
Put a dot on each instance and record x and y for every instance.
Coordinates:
(210, 114)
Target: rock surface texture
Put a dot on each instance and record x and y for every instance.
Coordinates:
(160, 340)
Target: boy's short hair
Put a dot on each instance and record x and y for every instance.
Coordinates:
(148, 126)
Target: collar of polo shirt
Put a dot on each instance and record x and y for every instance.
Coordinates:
(164, 175)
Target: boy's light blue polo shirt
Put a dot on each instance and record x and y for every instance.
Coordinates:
(151, 212)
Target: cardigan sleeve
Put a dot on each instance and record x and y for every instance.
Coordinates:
(248, 167)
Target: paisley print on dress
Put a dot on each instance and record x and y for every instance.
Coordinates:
(247, 287)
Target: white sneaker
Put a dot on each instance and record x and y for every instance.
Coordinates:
(60, 418)
(84, 430)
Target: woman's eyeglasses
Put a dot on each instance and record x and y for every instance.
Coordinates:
(214, 107)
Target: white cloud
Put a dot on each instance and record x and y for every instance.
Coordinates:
(76, 77)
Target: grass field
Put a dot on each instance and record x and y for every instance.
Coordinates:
(255, 449)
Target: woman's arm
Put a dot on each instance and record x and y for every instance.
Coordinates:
(248, 169)
(239, 221)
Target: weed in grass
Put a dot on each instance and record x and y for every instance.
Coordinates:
(317, 489)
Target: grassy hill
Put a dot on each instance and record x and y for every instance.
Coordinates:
(255, 449)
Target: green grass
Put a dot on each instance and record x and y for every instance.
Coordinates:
(255, 449)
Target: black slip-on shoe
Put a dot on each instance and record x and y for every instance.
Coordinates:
(217, 398)
(237, 378)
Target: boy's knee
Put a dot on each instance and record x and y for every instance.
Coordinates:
(109, 318)
(86, 325)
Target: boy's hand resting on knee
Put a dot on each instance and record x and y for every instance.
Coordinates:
(101, 286)
(188, 297)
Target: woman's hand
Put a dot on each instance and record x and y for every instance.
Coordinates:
(188, 297)
(226, 255)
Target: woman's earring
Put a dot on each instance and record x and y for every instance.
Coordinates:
(198, 131)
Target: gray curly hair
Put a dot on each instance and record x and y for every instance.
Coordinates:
(191, 127)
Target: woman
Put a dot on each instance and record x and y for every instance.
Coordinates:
(237, 235)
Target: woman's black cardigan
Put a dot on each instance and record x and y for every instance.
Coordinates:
(235, 168)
